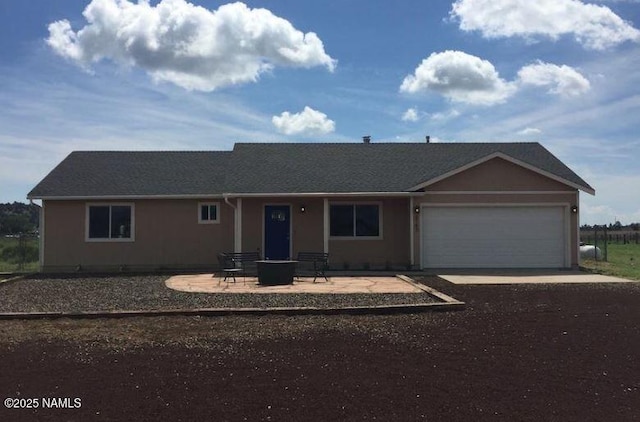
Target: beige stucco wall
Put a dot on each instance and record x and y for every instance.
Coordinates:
(498, 175)
(167, 235)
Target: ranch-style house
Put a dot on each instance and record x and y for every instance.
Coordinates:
(368, 205)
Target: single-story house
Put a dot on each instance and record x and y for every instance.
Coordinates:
(369, 205)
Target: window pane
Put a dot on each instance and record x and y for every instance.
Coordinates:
(204, 212)
(213, 212)
(120, 222)
(341, 220)
(367, 221)
(99, 222)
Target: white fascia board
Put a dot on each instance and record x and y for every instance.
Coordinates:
(506, 158)
(319, 194)
(122, 197)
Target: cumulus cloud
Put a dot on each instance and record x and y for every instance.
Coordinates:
(190, 46)
(561, 80)
(411, 115)
(594, 26)
(464, 78)
(308, 121)
(529, 131)
(460, 77)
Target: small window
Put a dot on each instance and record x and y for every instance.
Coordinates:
(110, 222)
(357, 220)
(208, 213)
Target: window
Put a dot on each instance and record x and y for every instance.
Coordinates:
(208, 213)
(357, 220)
(112, 222)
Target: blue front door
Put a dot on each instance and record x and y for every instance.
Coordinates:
(277, 231)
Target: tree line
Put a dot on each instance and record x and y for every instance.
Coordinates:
(19, 218)
(617, 226)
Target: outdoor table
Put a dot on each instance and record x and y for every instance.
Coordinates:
(274, 272)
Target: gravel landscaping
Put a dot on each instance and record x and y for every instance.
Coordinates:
(75, 293)
(516, 353)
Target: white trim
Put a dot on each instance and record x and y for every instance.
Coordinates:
(321, 194)
(237, 244)
(577, 204)
(264, 239)
(498, 192)
(509, 159)
(325, 222)
(224, 195)
(110, 204)
(41, 231)
(567, 235)
(411, 229)
(354, 237)
(122, 197)
(209, 204)
(567, 210)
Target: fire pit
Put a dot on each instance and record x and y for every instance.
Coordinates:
(276, 272)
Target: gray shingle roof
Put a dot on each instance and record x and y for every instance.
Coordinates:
(108, 173)
(279, 168)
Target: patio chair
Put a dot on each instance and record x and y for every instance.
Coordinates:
(227, 267)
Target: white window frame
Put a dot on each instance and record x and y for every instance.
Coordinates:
(208, 204)
(354, 237)
(110, 239)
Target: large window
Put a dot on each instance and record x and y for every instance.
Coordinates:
(208, 213)
(355, 220)
(110, 222)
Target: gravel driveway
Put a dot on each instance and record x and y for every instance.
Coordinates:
(109, 293)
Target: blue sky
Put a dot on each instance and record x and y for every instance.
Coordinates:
(201, 75)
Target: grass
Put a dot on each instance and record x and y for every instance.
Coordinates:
(9, 265)
(623, 261)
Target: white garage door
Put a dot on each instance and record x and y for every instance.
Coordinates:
(493, 237)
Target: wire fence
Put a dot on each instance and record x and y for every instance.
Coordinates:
(19, 253)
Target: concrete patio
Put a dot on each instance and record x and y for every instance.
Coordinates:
(208, 283)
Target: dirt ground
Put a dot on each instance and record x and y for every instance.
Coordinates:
(525, 353)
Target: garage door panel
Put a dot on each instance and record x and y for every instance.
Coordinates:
(493, 237)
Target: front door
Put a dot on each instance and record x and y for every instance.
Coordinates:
(277, 231)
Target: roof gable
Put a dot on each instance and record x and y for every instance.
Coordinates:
(552, 179)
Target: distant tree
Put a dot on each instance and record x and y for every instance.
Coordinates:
(634, 226)
(18, 218)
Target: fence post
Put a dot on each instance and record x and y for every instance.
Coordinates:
(606, 245)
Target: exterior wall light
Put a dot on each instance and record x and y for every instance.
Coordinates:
(417, 210)
(303, 209)
(574, 209)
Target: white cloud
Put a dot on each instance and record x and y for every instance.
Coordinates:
(562, 80)
(308, 121)
(190, 46)
(460, 77)
(464, 78)
(411, 115)
(445, 115)
(529, 131)
(595, 27)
